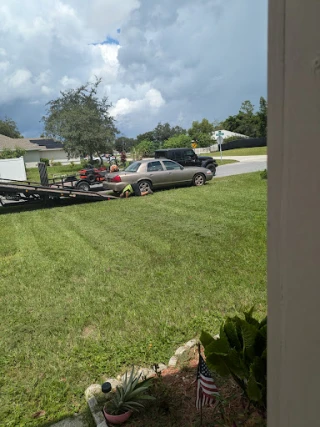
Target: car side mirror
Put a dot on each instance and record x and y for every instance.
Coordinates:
(181, 167)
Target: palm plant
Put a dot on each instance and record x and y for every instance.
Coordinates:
(129, 395)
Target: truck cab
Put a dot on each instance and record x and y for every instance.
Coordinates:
(187, 157)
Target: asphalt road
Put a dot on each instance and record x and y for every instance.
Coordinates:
(246, 164)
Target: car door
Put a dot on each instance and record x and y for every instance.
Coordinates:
(156, 173)
(176, 175)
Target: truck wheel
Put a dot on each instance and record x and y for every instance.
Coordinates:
(145, 185)
(83, 186)
(212, 167)
(199, 179)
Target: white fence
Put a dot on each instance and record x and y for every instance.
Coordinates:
(210, 149)
(13, 169)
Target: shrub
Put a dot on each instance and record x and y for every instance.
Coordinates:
(264, 174)
(56, 164)
(145, 148)
(6, 153)
(241, 352)
(232, 138)
(44, 160)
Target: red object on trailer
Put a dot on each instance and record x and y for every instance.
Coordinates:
(93, 174)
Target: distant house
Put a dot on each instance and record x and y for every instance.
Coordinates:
(227, 134)
(37, 148)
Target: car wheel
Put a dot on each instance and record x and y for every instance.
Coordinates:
(212, 168)
(145, 185)
(83, 186)
(199, 179)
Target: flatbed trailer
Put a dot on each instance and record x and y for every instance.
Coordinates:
(12, 191)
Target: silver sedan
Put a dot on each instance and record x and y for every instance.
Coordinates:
(152, 174)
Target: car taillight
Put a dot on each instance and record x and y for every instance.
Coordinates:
(116, 178)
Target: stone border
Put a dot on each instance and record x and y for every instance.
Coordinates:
(94, 389)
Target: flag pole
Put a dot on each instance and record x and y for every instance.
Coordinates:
(199, 350)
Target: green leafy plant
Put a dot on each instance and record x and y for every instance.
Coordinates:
(264, 174)
(6, 153)
(130, 394)
(241, 351)
(44, 160)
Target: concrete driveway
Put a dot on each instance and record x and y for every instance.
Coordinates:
(245, 164)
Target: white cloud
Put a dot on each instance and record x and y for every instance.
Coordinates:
(177, 61)
(4, 65)
(69, 82)
(152, 100)
(46, 90)
(19, 78)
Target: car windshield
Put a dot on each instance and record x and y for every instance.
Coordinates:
(133, 167)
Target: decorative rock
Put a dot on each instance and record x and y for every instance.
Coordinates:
(161, 367)
(92, 390)
(173, 362)
(145, 373)
(96, 412)
(191, 343)
(181, 350)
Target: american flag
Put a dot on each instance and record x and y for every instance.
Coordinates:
(206, 388)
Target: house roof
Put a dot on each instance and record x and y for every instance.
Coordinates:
(29, 144)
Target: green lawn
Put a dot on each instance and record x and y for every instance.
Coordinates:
(225, 161)
(88, 289)
(254, 151)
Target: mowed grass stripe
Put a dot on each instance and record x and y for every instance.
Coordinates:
(88, 289)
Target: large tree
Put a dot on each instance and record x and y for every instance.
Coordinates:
(203, 127)
(124, 144)
(81, 121)
(178, 141)
(9, 128)
(247, 121)
(262, 116)
(162, 132)
(145, 148)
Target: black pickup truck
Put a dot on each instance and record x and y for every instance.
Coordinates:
(187, 157)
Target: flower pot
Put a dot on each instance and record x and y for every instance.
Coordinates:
(117, 419)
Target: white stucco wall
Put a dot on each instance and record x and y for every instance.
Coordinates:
(32, 158)
(60, 156)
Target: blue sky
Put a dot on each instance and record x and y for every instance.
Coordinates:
(159, 61)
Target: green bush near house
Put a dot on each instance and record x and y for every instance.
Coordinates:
(45, 161)
(6, 153)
